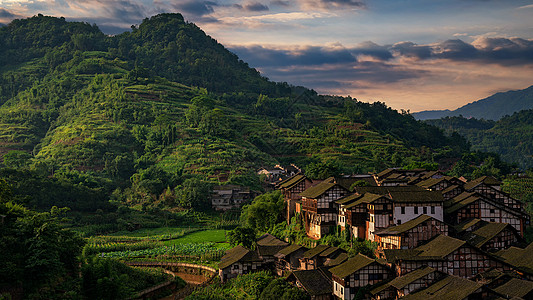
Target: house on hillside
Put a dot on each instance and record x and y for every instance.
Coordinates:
(316, 283)
(490, 236)
(291, 189)
(319, 210)
(238, 261)
(288, 258)
(446, 254)
(224, 197)
(473, 205)
(410, 234)
(355, 273)
(318, 256)
(410, 202)
(364, 214)
(452, 288)
(406, 284)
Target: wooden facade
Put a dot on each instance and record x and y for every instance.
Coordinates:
(319, 208)
(411, 234)
(445, 254)
(355, 273)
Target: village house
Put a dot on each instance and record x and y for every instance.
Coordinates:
(318, 256)
(224, 197)
(319, 211)
(291, 189)
(363, 214)
(316, 283)
(355, 273)
(409, 202)
(288, 259)
(520, 258)
(488, 236)
(410, 234)
(404, 285)
(473, 205)
(239, 261)
(452, 288)
(446, 254)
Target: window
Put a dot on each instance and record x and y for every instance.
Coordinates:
(375, 276)
(355, 276)
(235, 267)
(403, 210)
(416, 209)
(433, 210)
(492, 220)
(492, 211)
(399, 222)
(425, 209)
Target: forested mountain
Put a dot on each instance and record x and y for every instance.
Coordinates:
(511, 136)
(490, 108)
(156, 115)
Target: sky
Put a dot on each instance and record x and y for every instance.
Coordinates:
(411, 54)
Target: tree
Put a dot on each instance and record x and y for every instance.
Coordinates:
(244, 236)
(264, 212)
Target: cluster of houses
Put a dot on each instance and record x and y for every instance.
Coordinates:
(437, 237)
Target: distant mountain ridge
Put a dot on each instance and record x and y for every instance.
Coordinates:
(491, 108)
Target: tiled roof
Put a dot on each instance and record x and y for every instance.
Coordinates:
(330, 251)
(466, 224)
(407, 194)
(351, 266)
(402, 281)
(238, 253)
(315, 282)
(269, 245)
(348, 199)
(394, 230)
(436, 249)
(515, 288)
(318, 190)
(269, 240)
(365, 198)
(315, 251)
(292, 181)
(449, 189)
(338, 260)
(431, 182)
(521, 259)
(449, 288)
(485, 233)
(289, 250)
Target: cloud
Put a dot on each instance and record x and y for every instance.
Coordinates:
(280, 3)
(256, 6)
(411, 50)
(306, 56)
(4, 13)
(332, 4)
(197, 8)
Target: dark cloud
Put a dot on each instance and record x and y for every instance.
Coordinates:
(455, 50)
(374, 50)
(197, 8)
(4, 13)
(334, 3)
(411, 50)
(261, 56)
(256, 6)
(280, 3)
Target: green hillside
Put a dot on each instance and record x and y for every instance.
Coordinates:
(511, 136)
(157, 115)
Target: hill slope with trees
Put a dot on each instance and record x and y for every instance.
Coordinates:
(157, 115)
(511, 137)
(491, 108)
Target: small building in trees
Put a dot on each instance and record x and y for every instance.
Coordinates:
(238, 261)
(288, 258)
